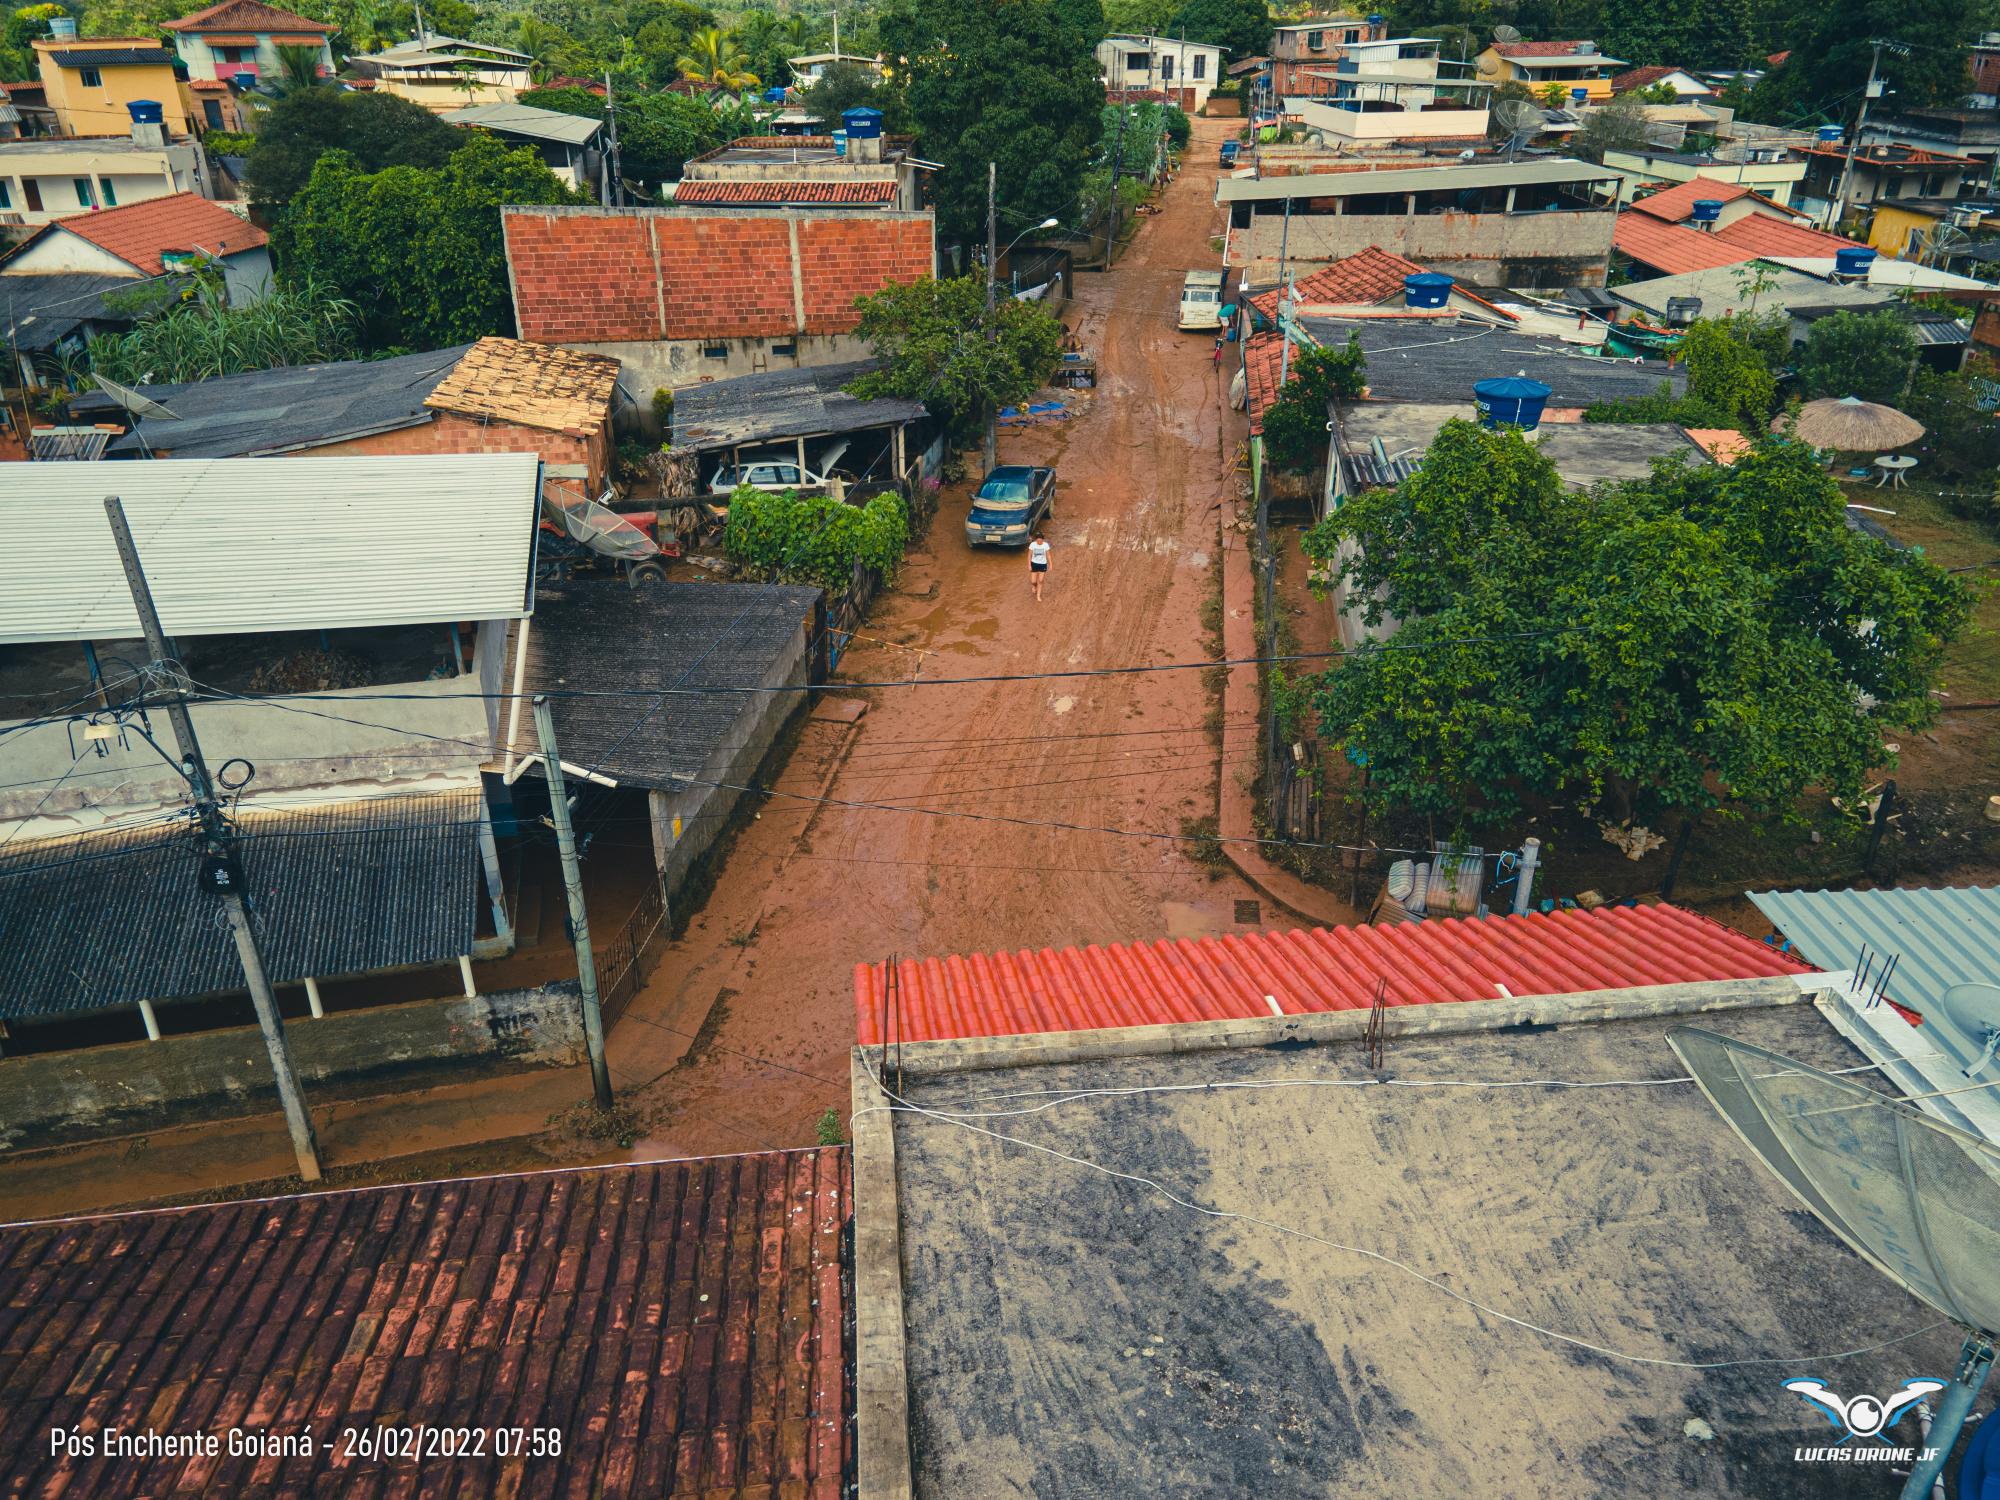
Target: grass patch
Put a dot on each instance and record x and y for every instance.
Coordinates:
(1204, 845)
(1923, 519)
(829, 1131)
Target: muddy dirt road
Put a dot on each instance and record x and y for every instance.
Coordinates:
(811, 889)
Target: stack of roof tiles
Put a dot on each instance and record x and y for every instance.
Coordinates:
(677, 1326)
(1299, 972)
(515, 381)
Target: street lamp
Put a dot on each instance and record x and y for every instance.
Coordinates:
(992, 265)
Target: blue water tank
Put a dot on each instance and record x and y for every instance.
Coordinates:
(840, 143)
(1853, 261)
(1706, 210)
(1511, 401)
(1829, 133)
(1427, 289)
(862, 123)
(1376, 20)
(775, 95)
(1579, 96)
(145, 112)
(62, 28)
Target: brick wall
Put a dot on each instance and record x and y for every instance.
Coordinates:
(451, 433)
(586, 275)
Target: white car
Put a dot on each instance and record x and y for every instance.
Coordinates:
(778, 471)
(1201, 302)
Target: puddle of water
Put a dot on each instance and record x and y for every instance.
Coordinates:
(983, 629)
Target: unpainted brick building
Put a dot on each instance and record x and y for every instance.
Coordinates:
(682, 295)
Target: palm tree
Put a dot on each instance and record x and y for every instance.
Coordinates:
(298, 68)
(715, 59)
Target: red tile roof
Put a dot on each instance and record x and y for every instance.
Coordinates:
(139, 232)
(1672, 250)
(679, 1324)
(1215, 979)
(784, 192)
(246, 15)
(1759, 235)
(1262, 358)
(1642, 78)
(1361, 279)
(1674, 204)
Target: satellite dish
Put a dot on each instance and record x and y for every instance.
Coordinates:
(1915, 1198)
(132, 401)
(1522, 122)
(1967, 1020)
(1941, 242)
(1504, 33)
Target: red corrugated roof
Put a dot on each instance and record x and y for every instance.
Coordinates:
(1325, 969)
(140, 232)
(1362, 279)
(1761, 235)
(1672, 250)
(784, 192)
(679, 1324)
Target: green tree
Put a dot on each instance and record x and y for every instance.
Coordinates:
(714, 58)
(374, 130)
(657, 133)
(1015, 84)
(1294, 426)
(1243, 26)
(569, 100)
(845, 86)
(1140, 17)
(1869, 355)
(1619, 125)
(1693, 34)
(1830, 52)
(939, 345)
(1727, 376)
(1706, 637)
(419, 251)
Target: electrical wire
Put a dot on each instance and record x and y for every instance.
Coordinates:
(902, 1105)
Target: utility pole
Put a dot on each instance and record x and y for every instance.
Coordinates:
(614, 181)
(221, 873)
(1868, 92)
(1117, 165)
(579, 917)
(992, 258)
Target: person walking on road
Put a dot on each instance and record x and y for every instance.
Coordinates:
(1038, 562)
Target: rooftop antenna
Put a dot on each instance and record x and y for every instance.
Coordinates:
(1522, 121)
(1915, 1198)
(1504, 33)
(1940, 243)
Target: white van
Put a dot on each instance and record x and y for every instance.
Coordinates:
(1201, 301)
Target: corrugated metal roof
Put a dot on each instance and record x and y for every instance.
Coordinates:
(1324, 969)
(68, 444)
(1939, 938)
(776, 404)
(241, 545)
(106, 57)
(527, 120)
(1410, 180)
(679, 1325)
(115, 918)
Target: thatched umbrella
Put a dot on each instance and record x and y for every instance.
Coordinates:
(1852, 425)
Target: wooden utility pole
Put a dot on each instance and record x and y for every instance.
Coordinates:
(613, 192)
(992, 269)
(221, 870)
(579, 916)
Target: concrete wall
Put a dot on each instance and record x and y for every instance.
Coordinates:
(136, 1086)
(675, 363)
(703, 810)
(1552, 249)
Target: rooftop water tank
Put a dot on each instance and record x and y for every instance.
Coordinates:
(840, 143)
(1578, 96)
(1829, 132)
(1426, 289)
(1681, 311)
(1706, 210)
(774, 95)
(1853, 261)
(145, 112)
(862, 123)
(1511, 401)
(62, 28)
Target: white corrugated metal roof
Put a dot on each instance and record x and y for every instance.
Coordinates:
(242, 545)
(1938, 938)
(1547, 172)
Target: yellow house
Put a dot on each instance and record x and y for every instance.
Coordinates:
(1896, 225)
(1566, 65)
(89, 82)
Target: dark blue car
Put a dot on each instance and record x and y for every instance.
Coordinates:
(1007, 508)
